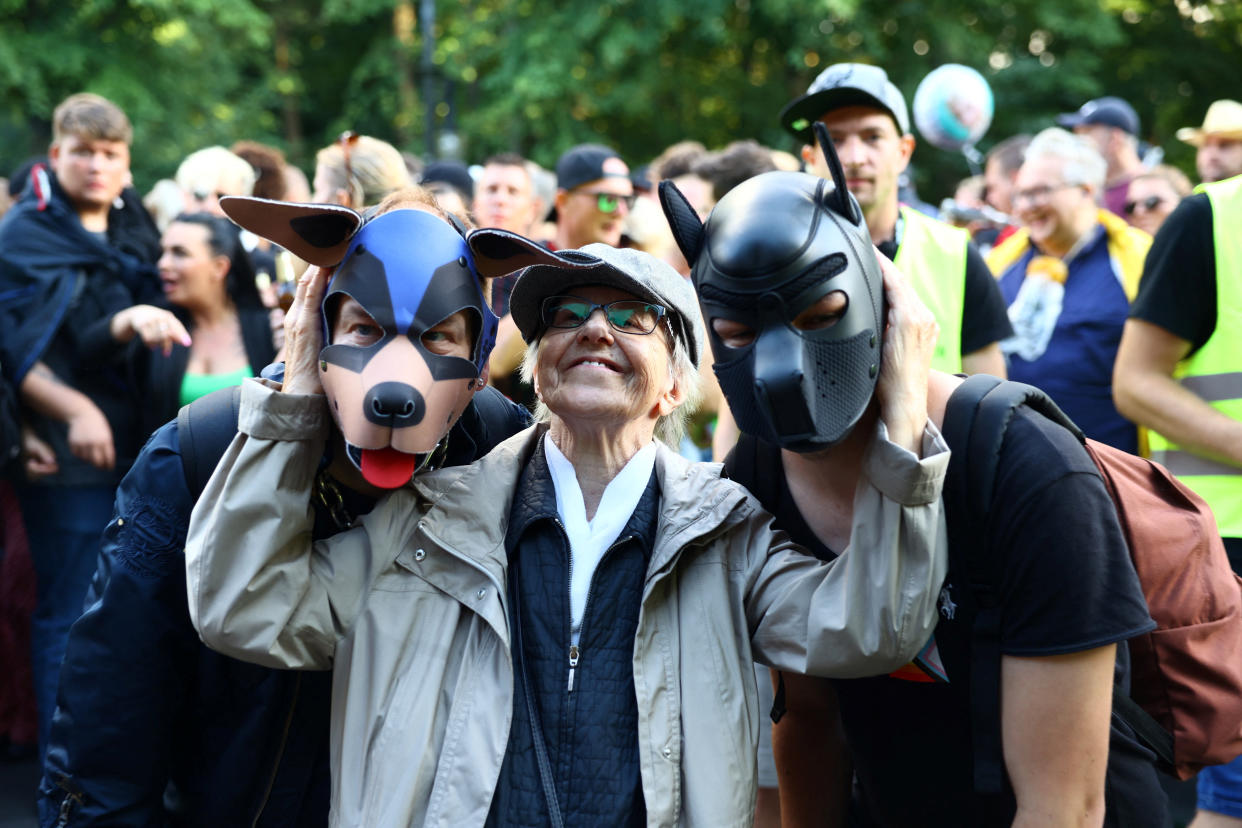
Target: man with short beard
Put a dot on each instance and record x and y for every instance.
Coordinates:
(867, 118)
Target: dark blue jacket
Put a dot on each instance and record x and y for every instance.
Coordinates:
(591, 731)
(59, 287)
(151, 727)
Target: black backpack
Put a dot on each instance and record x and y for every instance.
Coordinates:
(205, 428)
(1183, 702)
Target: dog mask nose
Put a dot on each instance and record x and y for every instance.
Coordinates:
(394, 404)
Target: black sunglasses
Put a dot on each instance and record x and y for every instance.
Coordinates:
(1148, 204)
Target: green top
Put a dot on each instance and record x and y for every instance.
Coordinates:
(194, 386)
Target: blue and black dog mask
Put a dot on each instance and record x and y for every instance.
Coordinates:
(394, 400)
(772, 247)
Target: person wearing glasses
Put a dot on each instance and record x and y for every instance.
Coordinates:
(562, 633)
(1068, 276)
(1153, 195)
(594, 194)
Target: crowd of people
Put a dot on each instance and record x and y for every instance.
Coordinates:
(335, 501)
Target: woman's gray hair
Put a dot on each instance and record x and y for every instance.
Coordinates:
(1081, 162)
(671, 428)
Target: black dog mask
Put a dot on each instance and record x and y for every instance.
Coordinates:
(773, 247)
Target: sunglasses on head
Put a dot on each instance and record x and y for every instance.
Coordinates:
(347, 141)
(632, 316)
(1148, 204)
(608, 202)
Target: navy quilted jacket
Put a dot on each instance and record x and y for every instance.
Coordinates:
(590, 727)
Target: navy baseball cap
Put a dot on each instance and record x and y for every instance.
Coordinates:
(845, 84)
(1108, 111)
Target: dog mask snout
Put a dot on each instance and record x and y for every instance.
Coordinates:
(394, 404)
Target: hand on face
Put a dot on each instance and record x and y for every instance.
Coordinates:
(905, 362)
(304, 333)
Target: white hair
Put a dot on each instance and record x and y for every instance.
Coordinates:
(672, 426)
(1081, 163)
(203, 171)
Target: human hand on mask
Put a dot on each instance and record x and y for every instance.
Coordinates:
(905, 362)
(304, 334)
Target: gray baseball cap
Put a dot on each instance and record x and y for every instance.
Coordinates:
(845, 84)
(546, 273)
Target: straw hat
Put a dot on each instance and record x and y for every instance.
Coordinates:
(1223, 119)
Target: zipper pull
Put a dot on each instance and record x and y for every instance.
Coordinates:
(573, 664)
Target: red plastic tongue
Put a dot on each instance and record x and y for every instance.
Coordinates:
(387, 467)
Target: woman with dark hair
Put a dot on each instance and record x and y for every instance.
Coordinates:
(208, 280)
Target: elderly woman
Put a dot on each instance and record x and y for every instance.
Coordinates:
(563, 632)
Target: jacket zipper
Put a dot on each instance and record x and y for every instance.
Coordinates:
(573, 665)
(574, 651)
(65, 812)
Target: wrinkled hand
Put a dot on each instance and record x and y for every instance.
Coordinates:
(909, 342)
(156, 327)
(304, 334)
(90, 437)
(37, 456)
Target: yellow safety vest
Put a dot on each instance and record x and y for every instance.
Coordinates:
(1214, 372)
(932, 255)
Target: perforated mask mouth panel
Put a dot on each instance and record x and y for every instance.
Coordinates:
(833, 397)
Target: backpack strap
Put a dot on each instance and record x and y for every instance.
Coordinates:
(967, 492)
(205, 428)
(976, 419)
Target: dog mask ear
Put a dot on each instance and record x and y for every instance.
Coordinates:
(684, 221)
(499, 252)
(839, 200)
(316, 233)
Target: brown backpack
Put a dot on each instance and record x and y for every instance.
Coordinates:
(1185, 697)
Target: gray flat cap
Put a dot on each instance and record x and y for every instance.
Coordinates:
(546, 273)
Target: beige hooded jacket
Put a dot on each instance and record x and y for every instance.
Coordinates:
(409, 610)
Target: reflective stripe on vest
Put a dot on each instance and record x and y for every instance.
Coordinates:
(1212, 372)
(933, 257)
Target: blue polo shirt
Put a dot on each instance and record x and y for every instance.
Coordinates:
(1076, 369)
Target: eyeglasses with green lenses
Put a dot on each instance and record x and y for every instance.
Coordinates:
(609, 202)
(630, 316)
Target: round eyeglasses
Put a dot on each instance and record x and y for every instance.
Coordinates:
(632, 316)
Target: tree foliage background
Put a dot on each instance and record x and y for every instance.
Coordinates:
(536, 76)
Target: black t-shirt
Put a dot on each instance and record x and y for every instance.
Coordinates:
(1178, 289)
(1067, 585)
(985, 316)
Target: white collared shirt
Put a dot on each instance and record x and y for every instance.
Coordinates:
(590, 539)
